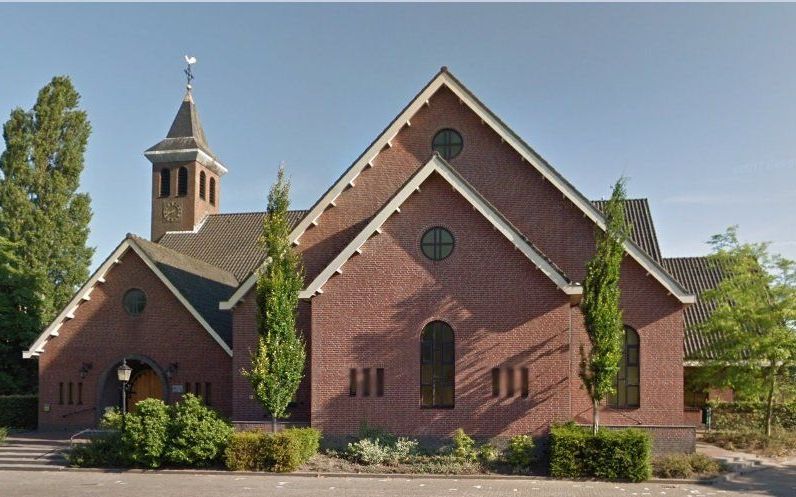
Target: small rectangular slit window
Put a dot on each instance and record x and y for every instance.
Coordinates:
(187, 388)
(197, 388)
(509, 382)
(352, 382)
(207, 394)
(71, 399)
(60, 394)
(366, 382)
(525, 387)
(495, 382)
(80, 393)
(380, 382)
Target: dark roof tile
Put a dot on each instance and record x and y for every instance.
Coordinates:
(638, 215)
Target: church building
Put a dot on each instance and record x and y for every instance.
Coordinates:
(443, 282)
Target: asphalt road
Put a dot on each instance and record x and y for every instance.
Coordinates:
(88, 484)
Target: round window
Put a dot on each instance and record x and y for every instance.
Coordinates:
(134, 301)
(448, 143)
(437, 243)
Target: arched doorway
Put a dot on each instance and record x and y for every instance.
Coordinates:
(146, 381)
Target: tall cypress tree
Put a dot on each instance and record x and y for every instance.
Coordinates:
(600, 365)
(41, 212)
(278, 362)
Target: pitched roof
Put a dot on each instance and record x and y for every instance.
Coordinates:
(202, 284)
(197, 285)
(445, 78)
(439, 166)
(226, 241)
(698, 275)
(185, 140)
(638, 215)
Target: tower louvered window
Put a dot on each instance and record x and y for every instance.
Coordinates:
(182, 182)
(165, 182)
(202, 179)
(213, 191)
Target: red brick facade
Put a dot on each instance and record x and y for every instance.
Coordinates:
(505, 313)
(102, 333)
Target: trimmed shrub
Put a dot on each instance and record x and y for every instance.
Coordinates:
(19, 411)
(197, 436)
(749, 416)
(309, 441)
(3, 434)
(488, 453)
(463, 446)
(609, 455)
(146, 433)
(781, 443)
(281, 452)
(521, 452)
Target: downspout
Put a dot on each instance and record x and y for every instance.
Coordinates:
(569, 373)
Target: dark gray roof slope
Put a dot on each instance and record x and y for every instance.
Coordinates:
(202, 284)
(226, 241)
(698, 275)
(638, 215)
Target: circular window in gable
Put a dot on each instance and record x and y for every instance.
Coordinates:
(134, 301)
(448, 143)
(437, 243)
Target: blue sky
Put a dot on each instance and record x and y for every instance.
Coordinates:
(696, 104)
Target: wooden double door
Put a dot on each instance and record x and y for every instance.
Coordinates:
(144, 385)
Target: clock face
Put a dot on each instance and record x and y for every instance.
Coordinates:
(172, 211)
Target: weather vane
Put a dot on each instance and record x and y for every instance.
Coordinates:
(190, 60)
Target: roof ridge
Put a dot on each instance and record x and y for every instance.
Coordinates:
(217, 214)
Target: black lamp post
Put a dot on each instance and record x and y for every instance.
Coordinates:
(123, 373)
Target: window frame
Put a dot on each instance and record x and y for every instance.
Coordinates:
(212, 195)
(431, 337)
(621, 383)
(202, 185)
(447, 133)
(436, 244)
(124, 302)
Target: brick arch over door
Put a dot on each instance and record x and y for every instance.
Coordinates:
(109, 375)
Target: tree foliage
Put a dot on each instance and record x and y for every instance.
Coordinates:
(41, 211)
(600, 305)
(753, 324)
(278, 362)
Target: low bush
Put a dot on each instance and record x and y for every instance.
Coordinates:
(19, 411)
(377, 451)
(488, 454)
(685, 466)
(609, 455)
(780, 443)
(3, 434)
(280, 452)
(463, 446)
(521, 452)
(106, 450)
(197, 436)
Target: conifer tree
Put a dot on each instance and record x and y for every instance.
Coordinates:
(753, 325)
(600, 305)
(278, 362)
(41, 212)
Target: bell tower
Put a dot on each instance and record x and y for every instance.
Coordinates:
(186, 175)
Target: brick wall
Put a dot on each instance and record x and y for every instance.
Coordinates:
(102, 333)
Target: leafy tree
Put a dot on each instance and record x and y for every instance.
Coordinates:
(600, 305)
(278, 362)
(753, 324)
(19, 322)
(41, 211)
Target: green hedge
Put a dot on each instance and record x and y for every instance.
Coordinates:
(281, 452)
(609, 455)
(750, 416)
(19, 411)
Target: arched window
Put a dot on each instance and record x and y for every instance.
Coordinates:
(165, 182)
(202, 178)
(213, 191)
(437, 368)
(627, 380)
(182, 182)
